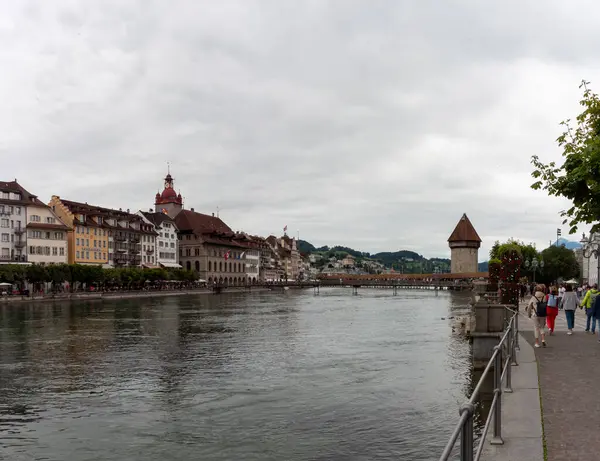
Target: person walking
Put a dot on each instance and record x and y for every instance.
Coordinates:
(570, 302)
(588, 302)
(561, 293)
(536, 310)
(552, 309)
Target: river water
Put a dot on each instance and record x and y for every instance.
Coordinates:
(262, 376)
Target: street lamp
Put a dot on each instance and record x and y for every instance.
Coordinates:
(533, 264)
(591, 247)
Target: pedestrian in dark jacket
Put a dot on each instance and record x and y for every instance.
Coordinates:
(596, 313)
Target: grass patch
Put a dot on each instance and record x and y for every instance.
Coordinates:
(544, 447)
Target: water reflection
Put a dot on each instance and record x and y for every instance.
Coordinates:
(256, 377)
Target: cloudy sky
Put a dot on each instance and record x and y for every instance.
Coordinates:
(370, 124)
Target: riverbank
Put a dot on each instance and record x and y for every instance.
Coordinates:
(60, 297)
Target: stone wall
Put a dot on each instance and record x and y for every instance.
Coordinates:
(463, 260)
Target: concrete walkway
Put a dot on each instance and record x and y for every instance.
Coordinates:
(521, 414)
(569, 368)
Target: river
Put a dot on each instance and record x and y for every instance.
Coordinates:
(261, 376)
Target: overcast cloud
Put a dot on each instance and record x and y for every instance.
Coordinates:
(370, 124)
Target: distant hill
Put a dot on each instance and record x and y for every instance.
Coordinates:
(403, 260)
(305, 247)
(483, 267)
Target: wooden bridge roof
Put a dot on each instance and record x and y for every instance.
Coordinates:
(466, 275)
(464, 231)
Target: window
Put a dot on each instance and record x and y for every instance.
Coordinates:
(197, 266)
(87, 230)
(54, 251)
(62, 251)
(87, 242)
(103, 255)
(50, 220)
(160, 243)
(87, 254)
(209, 266)
(10, 210)
(31, 250)
(47, 235)
(95, 231)
(196, 251)
(77, 254)
(77, 239)
(47, 251)
(104, 244)
(5, 237)
(4, 223)
(35, 218)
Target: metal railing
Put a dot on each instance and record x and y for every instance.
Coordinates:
(502, 370)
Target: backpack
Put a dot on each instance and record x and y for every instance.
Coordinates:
(593, 297)
(540, 308)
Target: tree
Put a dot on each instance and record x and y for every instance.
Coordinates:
(527, 253)
(559, 262)
(578, 178)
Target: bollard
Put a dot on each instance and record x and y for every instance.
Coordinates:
(466, 433)
(497, 438)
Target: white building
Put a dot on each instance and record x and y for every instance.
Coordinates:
(46, 235)
(252, 265)
(30, 232)
(13, 218)
(166, 248)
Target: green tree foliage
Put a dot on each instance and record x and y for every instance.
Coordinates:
(126, 277)
(559, 262)
(526, 252)
(578, 177)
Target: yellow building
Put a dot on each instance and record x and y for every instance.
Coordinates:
(88, 240)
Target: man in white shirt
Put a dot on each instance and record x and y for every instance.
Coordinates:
(561, 294)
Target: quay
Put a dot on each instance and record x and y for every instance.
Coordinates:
(547, 411)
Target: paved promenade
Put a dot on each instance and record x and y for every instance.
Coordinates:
(569, 374)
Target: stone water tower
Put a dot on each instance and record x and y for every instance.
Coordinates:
(464, 247)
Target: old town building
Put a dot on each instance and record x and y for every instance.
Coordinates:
(166, 250)
(206, 244)
(105, 236)
(288, 255)
(46, 235)
(29, 230)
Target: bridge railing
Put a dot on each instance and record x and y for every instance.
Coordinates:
(503, 358)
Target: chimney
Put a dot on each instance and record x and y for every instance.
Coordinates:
(213, 215)
(192, 209)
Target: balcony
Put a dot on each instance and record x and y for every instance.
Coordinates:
(150, 251)
(20, 243)
(119, 238)
(135, 239)
(14, 259)
(19, 230)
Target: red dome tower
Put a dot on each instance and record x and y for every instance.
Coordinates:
(169, 202)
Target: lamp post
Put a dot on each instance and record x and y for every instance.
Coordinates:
(591, 247)
(533, 264)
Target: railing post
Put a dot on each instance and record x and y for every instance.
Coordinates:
(517, 315)
(497, 438)
(466, 433)
(509, 359)
(515, 339)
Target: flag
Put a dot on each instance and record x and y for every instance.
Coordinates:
(227, 254)
(285, 228)
(164, 210)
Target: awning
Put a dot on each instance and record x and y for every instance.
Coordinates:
(178, 266)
